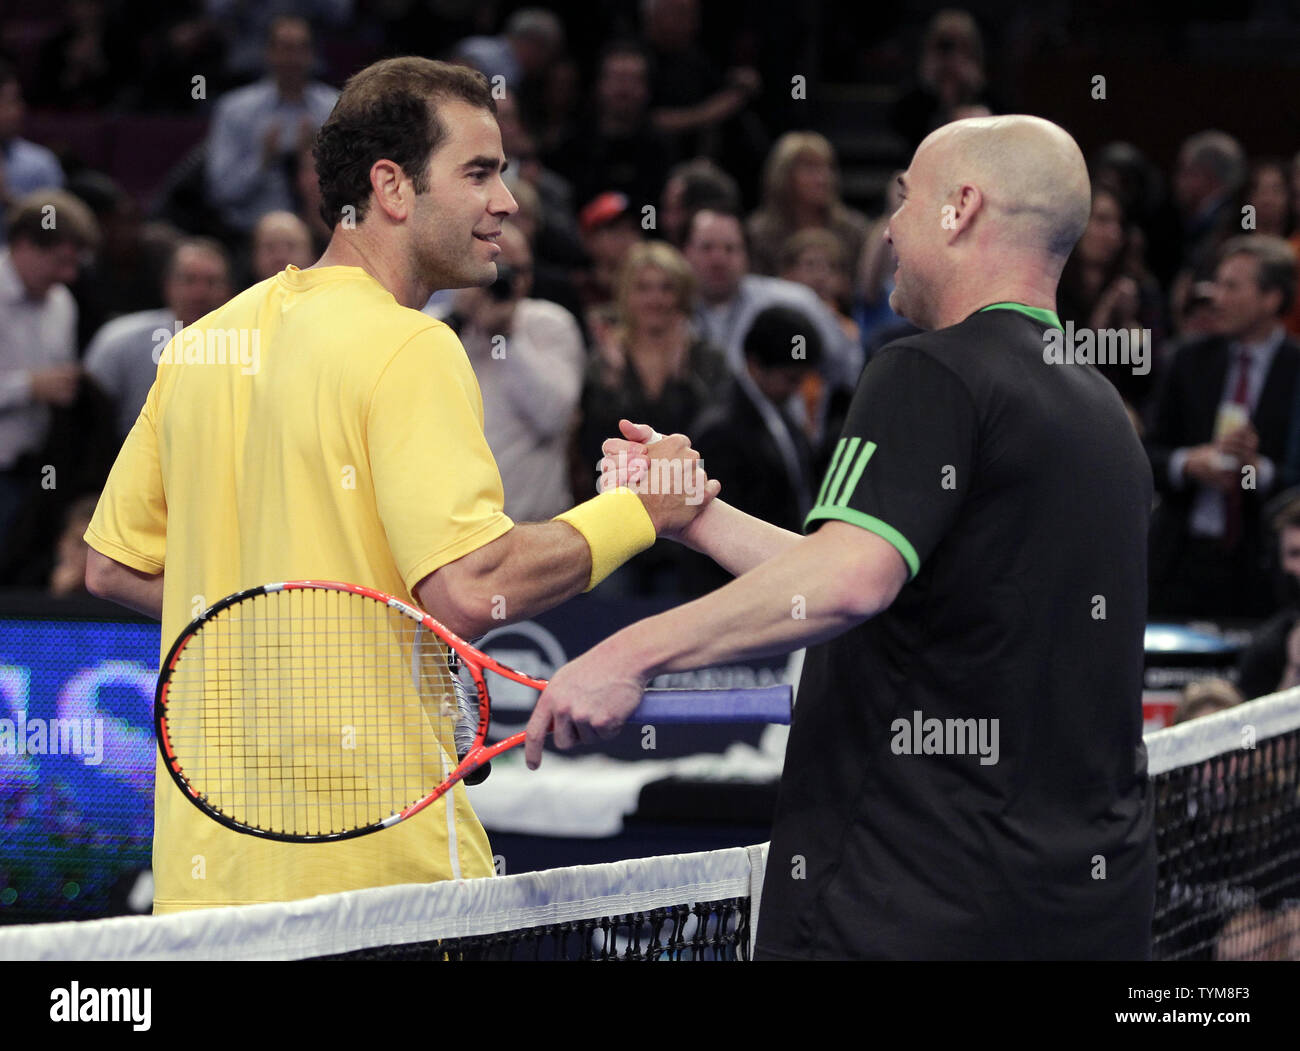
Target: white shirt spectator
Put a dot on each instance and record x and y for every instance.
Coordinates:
(122, 358)
(238, 182)
(34, 334)
(530, 391)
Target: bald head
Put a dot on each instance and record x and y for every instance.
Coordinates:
(1031, 174)
(992, 207)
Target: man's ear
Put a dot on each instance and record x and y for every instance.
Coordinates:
(960, 211)
(391, 189)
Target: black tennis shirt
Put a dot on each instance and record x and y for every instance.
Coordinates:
(965, 776)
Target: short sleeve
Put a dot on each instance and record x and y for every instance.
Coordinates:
(437, 486)
(130, 520)
(903, 463)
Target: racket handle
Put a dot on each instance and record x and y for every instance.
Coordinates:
(764, 704)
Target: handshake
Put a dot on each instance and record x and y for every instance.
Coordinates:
(665, 472)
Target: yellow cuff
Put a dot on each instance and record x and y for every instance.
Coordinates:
(615, 525)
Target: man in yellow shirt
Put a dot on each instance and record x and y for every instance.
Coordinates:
(319, 425)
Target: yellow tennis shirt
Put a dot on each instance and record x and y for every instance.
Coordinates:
(310, 428)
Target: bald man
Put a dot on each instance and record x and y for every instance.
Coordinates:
(965, 776)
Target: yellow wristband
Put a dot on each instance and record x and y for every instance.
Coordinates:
(615, 525)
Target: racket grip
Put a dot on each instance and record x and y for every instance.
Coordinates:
(764, 704)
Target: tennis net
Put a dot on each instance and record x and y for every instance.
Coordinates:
(1227, 792)
(674, 907)
(1227, 797)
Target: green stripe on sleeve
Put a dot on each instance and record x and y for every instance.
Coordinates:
(838, 474)
(835, 462)
(871, 525)
(858, 468)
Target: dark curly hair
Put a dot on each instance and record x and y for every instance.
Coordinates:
(389, 110)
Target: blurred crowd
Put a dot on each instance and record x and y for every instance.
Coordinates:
(683, 254)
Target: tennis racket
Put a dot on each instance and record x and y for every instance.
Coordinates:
(314, 711)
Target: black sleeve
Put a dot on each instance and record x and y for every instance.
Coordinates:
(903, 464)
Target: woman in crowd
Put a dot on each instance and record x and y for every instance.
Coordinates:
(1104, 287)
(649, 366)
(801, 192)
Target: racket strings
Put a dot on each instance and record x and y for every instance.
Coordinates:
(313, 711)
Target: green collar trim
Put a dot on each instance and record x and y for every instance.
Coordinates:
(1047, 317)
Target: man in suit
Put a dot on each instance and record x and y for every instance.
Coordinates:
(751, 436)
(1219, 440)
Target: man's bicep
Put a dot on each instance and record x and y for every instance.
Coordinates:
(903, 464)
(437, 488)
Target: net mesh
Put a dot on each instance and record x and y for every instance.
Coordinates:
(1227, 792)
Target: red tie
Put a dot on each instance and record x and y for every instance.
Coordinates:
(1232, 511)
(1241, 393)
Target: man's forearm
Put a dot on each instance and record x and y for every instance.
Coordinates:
(735, 540)
(807, 594)
(139, 591)
(526, 571)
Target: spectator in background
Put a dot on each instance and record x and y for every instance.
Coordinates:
(815, 258)
(69, 574)
(616, 148)
(81, 65)
(1155, 230)
(800, 192)
(1206, 697)
(1272, 660)
(731, 297)
(1227, 404)
(1101, 288)
(610, 230)
(259, 132)
(246, 24)
(38, 326)
(691, 186)
(125, 273)
(552, 281)
(701, 110)
(24, 166)
(123, 356)
(533, 39)
(1268, 193)
(280, 239)
(529, 358)
(1209, 174)
(950, 78)
(557, 238)
(650, 367)
(748, 438)
(875, 277)
(558, 103)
